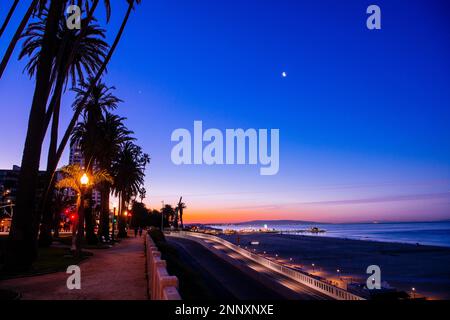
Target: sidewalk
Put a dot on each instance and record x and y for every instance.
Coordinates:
(111, 274)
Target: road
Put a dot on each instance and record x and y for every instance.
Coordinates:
(240, 276)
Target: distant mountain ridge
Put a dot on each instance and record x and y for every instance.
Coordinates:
(293, 222)
(268, 222)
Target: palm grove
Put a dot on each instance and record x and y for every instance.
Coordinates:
(59, 58)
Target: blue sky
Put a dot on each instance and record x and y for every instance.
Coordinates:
(363, 115)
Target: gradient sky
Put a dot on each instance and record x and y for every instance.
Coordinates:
(363, 115)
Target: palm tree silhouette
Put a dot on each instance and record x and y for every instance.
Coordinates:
(180, 207)
(169, 213)
(8, 17)
(77, 113)
(142, 193)
(39, 6)
(9, 51)
(129, 171)
(21, 250)
(88, 132)
(87, 60)
(111, 134)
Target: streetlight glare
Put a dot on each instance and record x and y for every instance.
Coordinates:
(84, 179)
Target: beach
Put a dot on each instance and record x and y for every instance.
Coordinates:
(403, 266)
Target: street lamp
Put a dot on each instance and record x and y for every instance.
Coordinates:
(313, 265)
(413, 292)
(84, 180)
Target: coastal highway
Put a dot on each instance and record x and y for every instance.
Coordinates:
(243, 278)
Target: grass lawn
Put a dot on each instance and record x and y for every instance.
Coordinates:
(49, 260)
(191, 284)
(67, 240)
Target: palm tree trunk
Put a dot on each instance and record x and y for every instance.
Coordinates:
(22, 247)
(56, 222)
(78, 111)
(104, 213)
(68, 63)
(181, 218)
(16, 37)
(122, 223)
(8, 17)
(45, 234)
(91, 238)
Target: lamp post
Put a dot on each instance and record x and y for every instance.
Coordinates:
(84, 181)
(413, 292)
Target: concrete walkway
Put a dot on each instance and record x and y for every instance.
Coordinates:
(111, 274)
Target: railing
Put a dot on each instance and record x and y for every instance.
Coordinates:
(301, 277)
(160, 285)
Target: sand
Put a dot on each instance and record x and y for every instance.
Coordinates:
(403, 266)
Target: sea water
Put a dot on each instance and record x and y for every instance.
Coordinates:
(425, 233)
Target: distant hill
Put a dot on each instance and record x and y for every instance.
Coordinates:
(269, 222)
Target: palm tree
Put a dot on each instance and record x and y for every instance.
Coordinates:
(17, 35)
(87, 60)
(180, 207)
(71, 180)
(8, 17)
(39, 6)
(113, 134)
(78, 112)
(103, 142)
(142, 193)
(129, 172)
(87, 133)
(169, 213)
(22, 249)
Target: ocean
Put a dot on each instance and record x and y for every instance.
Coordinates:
(426, 233)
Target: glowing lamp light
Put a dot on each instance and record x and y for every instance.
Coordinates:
(84, 180)
(125, 213)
